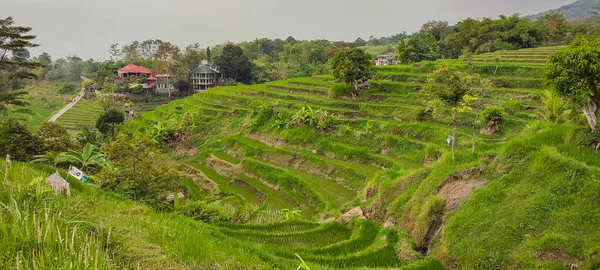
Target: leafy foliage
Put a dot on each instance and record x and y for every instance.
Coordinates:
(89, 159)
(319, 119)
(554, 109)
(55, 138)
(139, 171)
(417, 48)
(493, 116)
(108, 120)
(234, 64)
(352, 65)
(17, 141)
(456, 89)
(574, 72)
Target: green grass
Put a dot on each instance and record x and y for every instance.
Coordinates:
(93, 229)
(40, 109)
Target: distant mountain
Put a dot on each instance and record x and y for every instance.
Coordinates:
(576, 11)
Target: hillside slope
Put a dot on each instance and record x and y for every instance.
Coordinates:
(524, 199)
(578, 10)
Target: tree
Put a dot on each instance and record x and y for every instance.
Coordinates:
(164, 58)
(17, 141)
(455, 89)
(553, 109)
(360, 42)
(89, 157)
(108, 120)
(140, 171)
(234, 64)
(438, 29)
(208, 55)
(417, 48)
(574, 73)
(14, 64)
(554, 26)
(114, 51)
(45, 60)
(291, 40)
(183, 87)
(352, 66)
(55, 138)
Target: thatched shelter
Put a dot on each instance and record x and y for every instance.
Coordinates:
(59, 185)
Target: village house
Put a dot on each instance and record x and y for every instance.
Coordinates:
(385, 60)
(204, 76)
(165, 83)
(132, 70)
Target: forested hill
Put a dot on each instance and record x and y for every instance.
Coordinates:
(578, 10)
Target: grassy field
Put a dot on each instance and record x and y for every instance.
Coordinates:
(44, 101)
(525, 199)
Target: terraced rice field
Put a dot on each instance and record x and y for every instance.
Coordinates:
(85, 113)
(324, 174)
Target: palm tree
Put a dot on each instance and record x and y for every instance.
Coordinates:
(554, 108)
(86, 158)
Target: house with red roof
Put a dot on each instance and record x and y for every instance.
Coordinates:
(132, 70)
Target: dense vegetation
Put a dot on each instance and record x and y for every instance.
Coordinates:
(483, 161)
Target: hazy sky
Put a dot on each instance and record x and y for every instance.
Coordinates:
(87, 27)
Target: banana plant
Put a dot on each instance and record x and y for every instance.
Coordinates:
(87, 158)
(49, 158)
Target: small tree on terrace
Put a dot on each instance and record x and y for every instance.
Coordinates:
(455, 89)
(575, 73)
(352, 66)
(108, 120)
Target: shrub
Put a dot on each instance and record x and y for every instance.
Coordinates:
(424, 114)
(492, 117)
(432, 153)
(17, 141)
(319, 119)
(207, 212)
(67, 89)
(493, 113)
(138, 89)
(339, 90)
(140, 171)
(512, 107)
(108, 120)
(55, 138)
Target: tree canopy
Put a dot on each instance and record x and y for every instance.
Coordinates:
(14, 62)
(108, 120)
(574, 72)
(234, 64)
(17, 141)
(456, 89)
(352, 65)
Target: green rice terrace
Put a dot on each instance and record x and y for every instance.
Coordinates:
(363, 182)
(380, 189)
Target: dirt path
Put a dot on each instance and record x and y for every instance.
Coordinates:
(70, 105)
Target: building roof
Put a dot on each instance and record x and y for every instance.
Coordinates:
(151, 78)
(131, 68)
(204, 69)
(385, 57)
